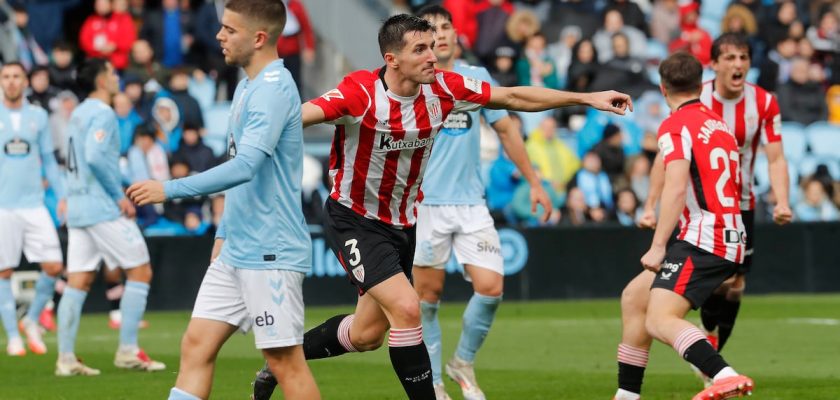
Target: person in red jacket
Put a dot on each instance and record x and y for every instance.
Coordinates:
(297, 43)
(108, 34)
(693, 39)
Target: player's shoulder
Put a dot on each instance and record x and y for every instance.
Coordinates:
(472, 71)
(36, 111)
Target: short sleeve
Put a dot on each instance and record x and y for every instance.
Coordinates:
(490, 115)
(267, 112)
(674, 142)
(346, 104)
(771, 123)
(467, 92)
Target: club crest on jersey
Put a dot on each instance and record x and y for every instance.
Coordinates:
(99, 136)
(434, 109)
(359, 273)
(333, 94)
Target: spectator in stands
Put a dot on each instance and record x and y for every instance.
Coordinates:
(624, 72)
(46, 19)
(296, 45)
(501, 69)
(521, 205)
(519, 27)
(144, 66)
(206, 24)
(188, 211)
(665, 21)
(555, 160)
(832, 98)
(42, 93)
(630, 12)
(603, 39)
(637, 177)
(815, 204)
(62, 69)
(188, 107)
(193, 151)
(779, 23)
(108, 34)
(594, 183)
(146, 157)
(29, 52)
(169, 31)
(776, 67)
(491, 33)
(739, 19)
(128, 120)
(693, 39)
(561, 52)
(577, 212)
(66, 102)
(8, 43)
(504, 179)
(627, 209)
(202, 88)
(584, 67)
(611, 152)
(167, 122)
(802, 99)
(136, 92)
(825, 36)
(535, 67)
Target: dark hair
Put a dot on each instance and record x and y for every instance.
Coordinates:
(681, 73)
(144, 130)
(737, 40)
(392, 33)
(14, 64)
(88, 72)
(190, 125)
(62, 45)
(434, 10)
(39, 69)
(272, 13)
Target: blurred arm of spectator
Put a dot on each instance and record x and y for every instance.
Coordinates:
(825, 36)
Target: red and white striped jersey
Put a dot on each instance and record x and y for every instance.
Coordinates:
(752, 117)
(383, 141)
(711, 219)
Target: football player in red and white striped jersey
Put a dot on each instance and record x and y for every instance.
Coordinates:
(701, 191)
(386, 122)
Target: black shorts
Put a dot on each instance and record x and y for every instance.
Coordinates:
(370, 251)
(748, 216)
(692, 272)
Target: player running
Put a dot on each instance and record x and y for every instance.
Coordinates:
(701, 190)
(386, 122)
(256, 280)
(99, 228)
(25, 223)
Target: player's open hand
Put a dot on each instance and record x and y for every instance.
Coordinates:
(126, 208)
(648, 219)
(539, 196)
(652, 260)
(782, 214)
(612, 101)
(146, 192)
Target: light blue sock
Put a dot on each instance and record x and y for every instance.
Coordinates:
(477, 320)
(178, 394)
(7, 309)
(69, 314)
(431, 336)
(44, 289)
(132, 307)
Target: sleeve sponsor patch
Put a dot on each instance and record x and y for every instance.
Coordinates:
(666, 144)
(99, 136)
(333, 94)
(472, 84)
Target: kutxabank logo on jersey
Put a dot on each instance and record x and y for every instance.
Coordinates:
(388, 143)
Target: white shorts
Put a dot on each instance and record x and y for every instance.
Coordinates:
(468, 229)
(31, 231)
(118, 242)
(269, 301)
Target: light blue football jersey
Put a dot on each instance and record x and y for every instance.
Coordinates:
(93, 166)
(453, 175)
(27, 150)
(263, 221)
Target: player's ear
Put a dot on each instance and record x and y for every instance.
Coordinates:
(391, 60)
(260, 39)
(662, 90)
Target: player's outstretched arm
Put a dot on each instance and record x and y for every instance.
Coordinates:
(514, 146)
(673, 203)
(657, 180)
(779, 181)
(527, 98)
(311, 114)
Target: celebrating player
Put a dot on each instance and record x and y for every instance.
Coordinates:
(256, 280)
(98, 227)
(701, 190)
(386, 121)
(25, 223)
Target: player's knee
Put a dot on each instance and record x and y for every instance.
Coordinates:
(490, 288)
(6, 273)
(369, 340)
(52, 269)
(633, 301)
(142, 274)
(430, 292)
(406, 312)
(734, 294)
(652, 323)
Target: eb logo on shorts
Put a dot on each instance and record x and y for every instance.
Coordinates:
(264, 320)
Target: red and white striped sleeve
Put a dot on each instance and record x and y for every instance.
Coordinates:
(674, 141)
(468, 93)
(771, 121)
(346, 104)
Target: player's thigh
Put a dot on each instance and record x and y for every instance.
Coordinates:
(635, 296)
(203, 339)
(399, 301)
(83, 254)
(369, 323)
(219, 297)
(428, 282)
(11, 239)
(274, 300)
(40, 242)
(434, 236)
(121, 243)
(692, 273)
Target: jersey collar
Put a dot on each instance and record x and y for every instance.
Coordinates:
(688, 103)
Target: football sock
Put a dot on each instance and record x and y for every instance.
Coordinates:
(132, 307)
(692, 345)
(7, 309)
(632, 362)
(478, 317)
(69, 314)
(410, 360)
(726, 321)
(178, 394)
(727, 372)
(431, 336)
(330, 339)
(710, 311)
(44, 288)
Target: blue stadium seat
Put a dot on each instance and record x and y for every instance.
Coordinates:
(656, 50)
(794, 141)
(824, 139)
(808, 165)
(710, 25)
(714, 9)
(752, 75)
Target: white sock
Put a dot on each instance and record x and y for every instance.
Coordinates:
(67, 357)
(127, 349)
(622, 394)
(727, 372)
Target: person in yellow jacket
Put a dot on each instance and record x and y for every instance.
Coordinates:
(557, 162)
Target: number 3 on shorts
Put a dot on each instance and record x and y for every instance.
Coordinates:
(355, 256)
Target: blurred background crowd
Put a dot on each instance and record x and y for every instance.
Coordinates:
(174, 103)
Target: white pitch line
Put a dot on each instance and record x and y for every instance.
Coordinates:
(814, 321)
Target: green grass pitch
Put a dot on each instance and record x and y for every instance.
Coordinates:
(564, 350)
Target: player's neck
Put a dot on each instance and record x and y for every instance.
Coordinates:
(446, 65)
(400, 85)
(13, 104)
(101, 95)
(676, 101)
(258, 62)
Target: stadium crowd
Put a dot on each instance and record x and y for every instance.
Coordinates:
(175, 91)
